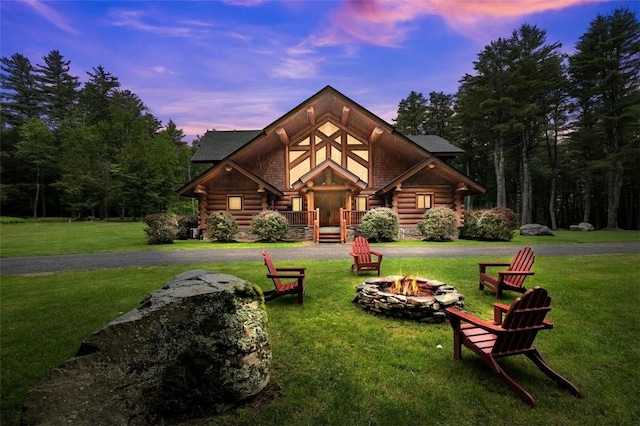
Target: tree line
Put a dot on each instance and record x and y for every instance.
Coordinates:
(78, 150)
(555, 137)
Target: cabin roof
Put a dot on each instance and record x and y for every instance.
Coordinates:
(216, 145)
(435, 144)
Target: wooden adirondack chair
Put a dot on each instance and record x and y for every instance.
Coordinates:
(513, 277)
(362, 260)
(294, 287)
(512, 335)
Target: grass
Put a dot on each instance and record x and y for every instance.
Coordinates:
(49, 238)
(334, 364)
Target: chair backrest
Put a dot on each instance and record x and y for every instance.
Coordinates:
(271, 269)
(522, 261)
(523, 320)
(361, 249)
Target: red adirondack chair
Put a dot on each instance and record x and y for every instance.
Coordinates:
(294, 287)
(362, 260)
(512, 335)
(513, 277)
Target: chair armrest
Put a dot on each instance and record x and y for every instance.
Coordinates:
(301, 270)
(502, 275)
(377, 253)
(285, 275)
(516, 272)
(484, 265)
(493, 264)
(486, 325)
(498, 310)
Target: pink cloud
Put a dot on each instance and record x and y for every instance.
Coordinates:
(386, 22)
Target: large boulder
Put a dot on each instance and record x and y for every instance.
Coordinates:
(582, 226)
(197, 346)
(533, 229)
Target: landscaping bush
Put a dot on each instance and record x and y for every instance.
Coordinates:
(221, 226)
(9, 219)
(498, 223)
(185, 224)
(439, 224)
(161, 228)
(269, 225)
(380, 224)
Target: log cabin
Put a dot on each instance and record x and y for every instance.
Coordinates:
(323, 165)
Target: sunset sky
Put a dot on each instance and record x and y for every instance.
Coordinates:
(241, 64)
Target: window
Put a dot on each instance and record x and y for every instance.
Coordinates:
(234, 202)
(296, 204)
(424, 201)
(361, 203)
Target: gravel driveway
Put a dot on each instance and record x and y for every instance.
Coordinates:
(70, 262)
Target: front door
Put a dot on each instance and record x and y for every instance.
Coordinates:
(328, 204)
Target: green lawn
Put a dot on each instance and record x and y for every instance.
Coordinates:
(336, 365)
(48, 238)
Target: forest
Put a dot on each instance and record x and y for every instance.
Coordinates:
(554, 137)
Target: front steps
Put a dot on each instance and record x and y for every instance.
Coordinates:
(329, 235)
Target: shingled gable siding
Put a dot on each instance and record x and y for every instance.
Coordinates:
(268, 166)
(388, 167)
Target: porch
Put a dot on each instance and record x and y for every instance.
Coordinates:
(325, 234)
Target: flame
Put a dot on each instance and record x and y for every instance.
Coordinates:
(407, 286)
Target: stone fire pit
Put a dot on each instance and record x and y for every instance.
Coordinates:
(414, 298)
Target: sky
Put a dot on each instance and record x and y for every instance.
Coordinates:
(242, 64)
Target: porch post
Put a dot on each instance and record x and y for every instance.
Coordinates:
(394, 199)
(310, 202)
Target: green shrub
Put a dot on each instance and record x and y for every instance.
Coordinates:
(497, 224)
(185, 224)
(380, 224)
(221, 226)
(161, 228)
(269, 225)
(9, 219)
(439, 224)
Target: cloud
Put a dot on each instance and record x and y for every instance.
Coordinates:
(386, 22)
(295, 68)
(143, 21)
(159, 69)
(246, 3)
(51, 15)
(196, 110)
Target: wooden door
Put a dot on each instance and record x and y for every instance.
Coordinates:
(329, 204)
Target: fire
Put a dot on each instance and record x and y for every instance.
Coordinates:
(406, 286)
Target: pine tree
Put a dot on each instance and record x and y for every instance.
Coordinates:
(58, 89)
(605, 73)
(412, 113)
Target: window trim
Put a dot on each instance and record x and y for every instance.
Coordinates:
(366, 203)
(293, 204)
(232, 197)
(424, 196)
